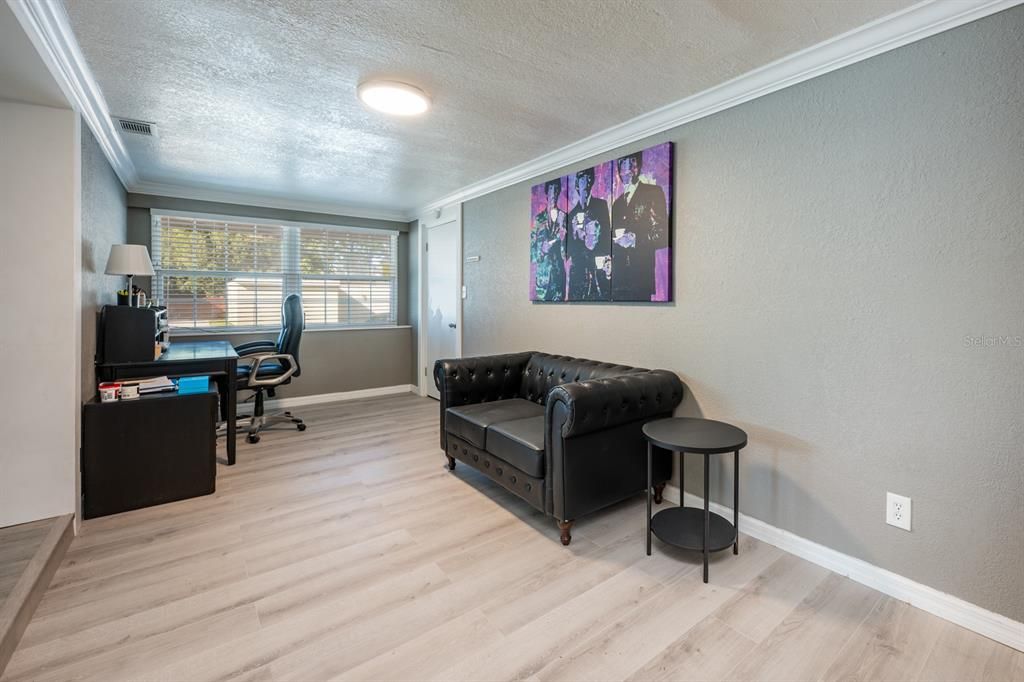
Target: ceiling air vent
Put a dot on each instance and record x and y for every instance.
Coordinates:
(128, 125)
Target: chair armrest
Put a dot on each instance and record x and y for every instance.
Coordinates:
(287, 360)
(256, 348)
(464, 381)
(598, 404)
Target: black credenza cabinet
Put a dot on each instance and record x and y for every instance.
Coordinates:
(139, 453)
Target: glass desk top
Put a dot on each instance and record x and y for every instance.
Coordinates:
(180, 351)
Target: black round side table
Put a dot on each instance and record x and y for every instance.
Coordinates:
(684, 526)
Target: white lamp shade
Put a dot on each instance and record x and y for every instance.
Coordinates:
(129, 259)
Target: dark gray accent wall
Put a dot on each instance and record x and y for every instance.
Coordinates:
(849, 269)
(342, 360)
(332, 361)
(197, 206)
(104, 222)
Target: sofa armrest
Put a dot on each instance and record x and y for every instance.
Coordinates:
(464, 381)
(598, 404)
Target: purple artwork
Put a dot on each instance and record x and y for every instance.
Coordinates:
(603, 233)
(588, 247)
(641, 225)
(548, 202)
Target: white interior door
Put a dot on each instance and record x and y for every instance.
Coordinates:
(443, 296)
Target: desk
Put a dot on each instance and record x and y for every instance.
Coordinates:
(188, 358)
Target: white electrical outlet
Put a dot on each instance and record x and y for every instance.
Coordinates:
(897, 510)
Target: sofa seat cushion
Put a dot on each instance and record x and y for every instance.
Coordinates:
(520, 442)
(470, 422)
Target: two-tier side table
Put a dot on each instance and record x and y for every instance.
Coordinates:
(691, 527)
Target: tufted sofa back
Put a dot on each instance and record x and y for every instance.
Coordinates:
(543, 372)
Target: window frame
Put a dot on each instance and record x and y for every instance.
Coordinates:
(290, 277)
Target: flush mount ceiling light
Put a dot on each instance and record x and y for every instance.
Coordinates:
(392, 97)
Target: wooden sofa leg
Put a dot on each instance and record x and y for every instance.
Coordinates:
(566, 528)
(659, 489)
(450, 466)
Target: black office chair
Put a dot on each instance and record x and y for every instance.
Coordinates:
(272, 364)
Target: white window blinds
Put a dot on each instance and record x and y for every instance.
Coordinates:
(230, 274)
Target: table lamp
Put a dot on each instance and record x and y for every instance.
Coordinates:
(130, 260)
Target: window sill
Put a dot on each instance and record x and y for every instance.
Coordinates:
(177, 333)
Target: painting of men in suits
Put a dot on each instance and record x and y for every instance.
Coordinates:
(589, 241)
(641, 227)
(547, 241)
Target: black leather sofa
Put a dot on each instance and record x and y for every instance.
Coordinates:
(562, 433)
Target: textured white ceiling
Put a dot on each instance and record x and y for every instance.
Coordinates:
(259, 97)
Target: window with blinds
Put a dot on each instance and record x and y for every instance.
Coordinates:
(224, 274)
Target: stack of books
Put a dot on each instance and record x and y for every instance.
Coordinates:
(156, 385)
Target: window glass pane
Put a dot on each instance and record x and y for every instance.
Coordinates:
(177, 248)
(224, 274)
(207, 245)
(209, 301)
(358, 298)
(253, 302)
(331, 252)
(347, 302)
(254, 248)
(320, 301)
(178, 296)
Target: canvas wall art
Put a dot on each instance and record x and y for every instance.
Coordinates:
(589, 234)
(547, 241)
(603, 233)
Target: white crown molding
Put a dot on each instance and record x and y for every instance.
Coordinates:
(46, 25)
(262, 200)
(48, 28)
(965, 614)
(887, 33)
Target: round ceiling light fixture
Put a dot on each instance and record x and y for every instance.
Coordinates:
(393, 97)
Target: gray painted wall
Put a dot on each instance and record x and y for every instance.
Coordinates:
(332, 361)
(836, 243)
(344, 360)
(104, 222)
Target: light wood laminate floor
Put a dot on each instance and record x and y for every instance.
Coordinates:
(18, 544)
(348, 552)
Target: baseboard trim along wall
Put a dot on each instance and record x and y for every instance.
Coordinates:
(300, 400)
(982, 621)
(16, 611)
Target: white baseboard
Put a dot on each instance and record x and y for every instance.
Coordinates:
(300, 400)
(946, 606)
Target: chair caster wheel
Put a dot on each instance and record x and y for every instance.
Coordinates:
(300, 427)
(253, 439)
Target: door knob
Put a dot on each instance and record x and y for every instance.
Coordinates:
(451, 325)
